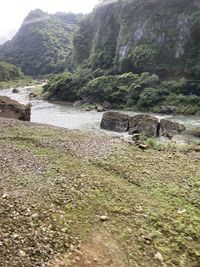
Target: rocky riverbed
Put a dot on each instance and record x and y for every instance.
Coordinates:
(71, 198)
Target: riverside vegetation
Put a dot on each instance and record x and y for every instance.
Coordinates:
(12, 76)
(80, 199)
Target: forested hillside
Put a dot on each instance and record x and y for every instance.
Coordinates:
(9, 72)
(42, 44)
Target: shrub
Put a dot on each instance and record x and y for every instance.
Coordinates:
(143, 57)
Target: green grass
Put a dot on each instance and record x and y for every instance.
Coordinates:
(26, 81)
(151, 199)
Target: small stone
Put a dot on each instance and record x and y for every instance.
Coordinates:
(35, 215)
(159, 256)
(143, 147)
(104, 218)
(182, 211)
(4, 196)
(22, 253)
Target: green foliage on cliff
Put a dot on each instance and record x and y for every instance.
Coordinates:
(43, 43)
(9, 72)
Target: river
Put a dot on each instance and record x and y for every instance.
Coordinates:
(67, 116)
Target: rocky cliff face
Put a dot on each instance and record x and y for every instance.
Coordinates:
(141, 35)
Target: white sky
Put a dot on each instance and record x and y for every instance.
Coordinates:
(13, 12)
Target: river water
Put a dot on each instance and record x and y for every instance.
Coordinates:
(67, 116)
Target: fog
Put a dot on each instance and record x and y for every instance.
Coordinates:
(13, 12)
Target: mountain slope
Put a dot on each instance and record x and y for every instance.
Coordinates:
(42, 44)
(141, 35)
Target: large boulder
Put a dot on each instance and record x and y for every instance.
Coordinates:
(170, 128)
(196, 132)
(12, 109)
(144, 124)
(114, 121)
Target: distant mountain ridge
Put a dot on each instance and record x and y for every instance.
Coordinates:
(43, 43)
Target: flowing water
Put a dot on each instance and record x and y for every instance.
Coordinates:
(67, 116)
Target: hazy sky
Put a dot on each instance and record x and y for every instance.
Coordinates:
(12, 12)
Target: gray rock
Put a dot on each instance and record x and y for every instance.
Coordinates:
(143, 124)
(15, 91)
(12, 109)
(114, 121)
(170, 128)
(100, 109)
(196, 132)
(103, 218)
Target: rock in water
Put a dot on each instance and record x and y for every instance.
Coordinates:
(15, 91)
(170, 128)
(143, 124)
(12, 109)
(196, 132)
(114, 121)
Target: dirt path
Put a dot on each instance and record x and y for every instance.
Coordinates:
(101, 250)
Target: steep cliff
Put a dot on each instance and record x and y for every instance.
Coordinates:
(42, 44)
(161, 36)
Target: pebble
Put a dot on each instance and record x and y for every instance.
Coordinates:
(104, 218)
(22, 253)
(159, 256)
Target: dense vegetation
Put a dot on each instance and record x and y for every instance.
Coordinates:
(9, 72)
(136, 54)
(145, 92)
(43, 43)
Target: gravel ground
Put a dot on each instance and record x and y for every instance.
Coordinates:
(75, 199)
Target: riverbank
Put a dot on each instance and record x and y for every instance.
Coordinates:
(26, 81)
(82, 198)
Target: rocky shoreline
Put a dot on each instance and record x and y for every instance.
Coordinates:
(144, 124)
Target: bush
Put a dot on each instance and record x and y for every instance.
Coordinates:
(184, 104)
(149, 97)
(118, 89)
(143, 58)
